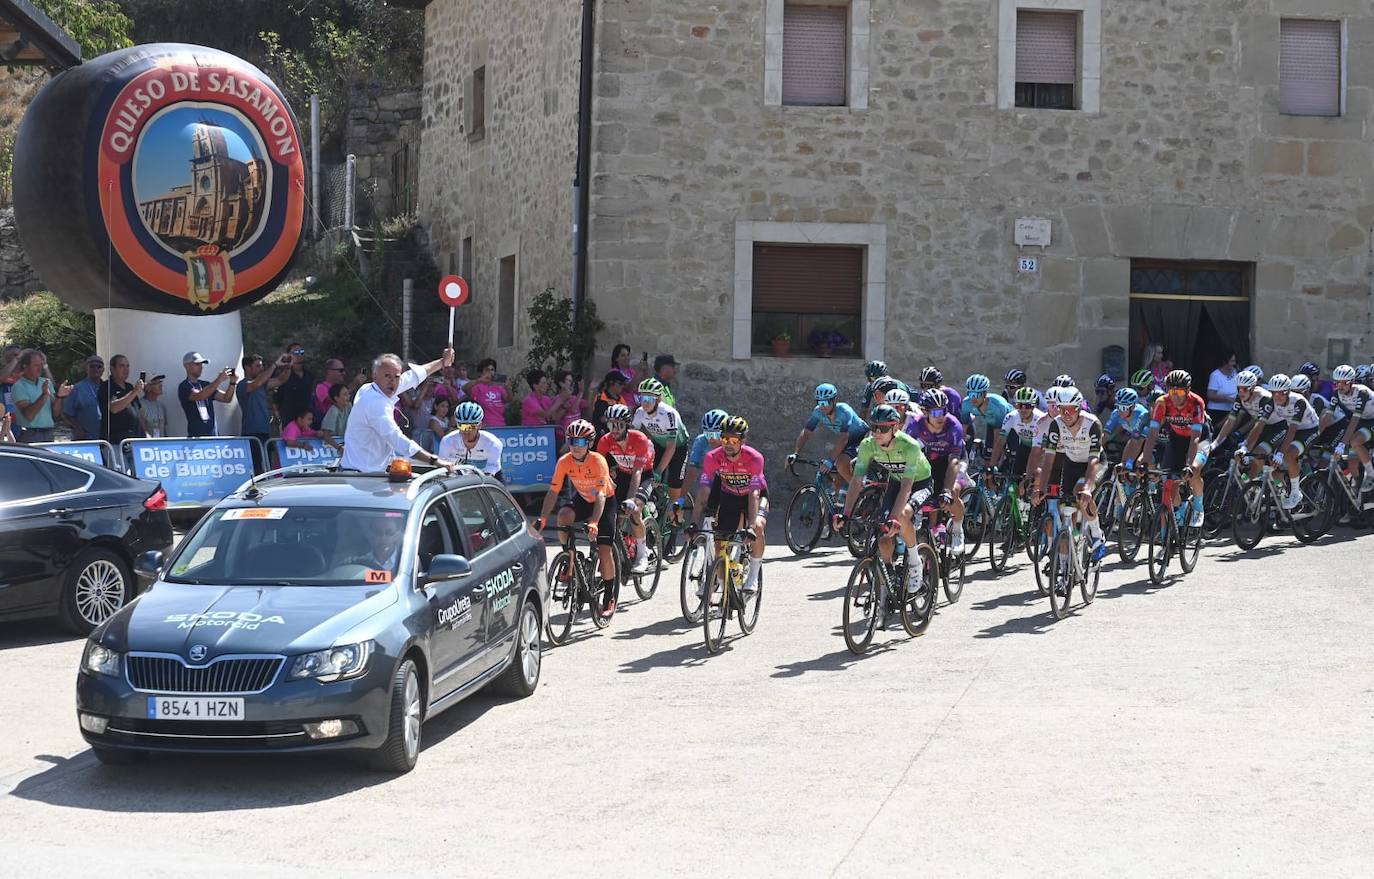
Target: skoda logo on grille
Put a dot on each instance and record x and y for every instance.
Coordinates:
(197, 653)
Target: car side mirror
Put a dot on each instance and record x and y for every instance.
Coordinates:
(149, 564)
(447, 567)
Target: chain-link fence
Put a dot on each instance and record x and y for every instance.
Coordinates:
(333, 195)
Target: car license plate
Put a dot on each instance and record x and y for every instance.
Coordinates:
(194, 708)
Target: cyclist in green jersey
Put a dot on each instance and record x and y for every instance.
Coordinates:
(908, 474)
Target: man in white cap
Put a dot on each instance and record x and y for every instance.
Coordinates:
(372, 438)
(198, 397)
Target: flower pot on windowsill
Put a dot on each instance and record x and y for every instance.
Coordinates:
(824, 351)
(782, 347)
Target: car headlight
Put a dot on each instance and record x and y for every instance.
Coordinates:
(338, 663)
(100, 660)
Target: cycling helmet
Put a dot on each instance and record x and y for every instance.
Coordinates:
(1105, 381)
(617, 412)
(714, 420)
(735, 425)
(1179, 378)
(580, 429)
(826, 392)
(1310, 369)
(884, 414)
(1300, 383)
(897, 397)
(932, 374)
(934, 399)
(1127, 398)
(652, 387)
(1070, 397)
(883, 385)
(1142, 378)
(1063, 380)
(874, 369)
(1026, 396)
(1015, 377)
(1343, 373)
(1278, 382)
(1362, 373)
(977, 384)
(1247, 379)
(469, 413)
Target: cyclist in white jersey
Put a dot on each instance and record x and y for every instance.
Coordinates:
(469, 444)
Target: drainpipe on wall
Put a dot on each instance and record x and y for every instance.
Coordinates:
(582, 179)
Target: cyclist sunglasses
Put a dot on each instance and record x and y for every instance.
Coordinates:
(732, 440)
(936, 413)
(646, 399)
(1025, 405)
(580, 441)
(469, 426)
(883, 428)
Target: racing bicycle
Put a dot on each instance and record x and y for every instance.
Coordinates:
(575, 585)
(671, 518)
(1169, 531)
(931, 530)
(1261, 504)
(1009, 527)
(810, 510)
(696, 565)
(878, 588)
(646, 584)
(725, 596)
(1070, 560)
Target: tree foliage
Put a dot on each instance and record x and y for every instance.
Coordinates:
(556, 339)
(98, 26)
(44, 322)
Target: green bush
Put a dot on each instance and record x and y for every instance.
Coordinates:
(42, 321)
(556, 339)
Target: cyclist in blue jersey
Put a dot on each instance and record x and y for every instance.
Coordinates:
(708, 439)
(984, 412)
(1132, 419)
(841, 419)
(932, 378)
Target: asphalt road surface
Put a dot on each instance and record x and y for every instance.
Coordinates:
(1219, 725)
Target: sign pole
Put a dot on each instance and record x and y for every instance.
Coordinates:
(451, 313)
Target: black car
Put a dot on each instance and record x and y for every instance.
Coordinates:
(321, 610)
(70, 532)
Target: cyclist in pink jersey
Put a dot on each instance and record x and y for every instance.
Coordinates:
(734, 473)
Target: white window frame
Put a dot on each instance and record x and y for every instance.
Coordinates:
(857, 78)
(1089, 85)
(871, 236)
(1345, 63)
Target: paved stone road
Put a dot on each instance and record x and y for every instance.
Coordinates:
(1221, 725)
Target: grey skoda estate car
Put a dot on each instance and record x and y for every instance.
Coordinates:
(321, 610)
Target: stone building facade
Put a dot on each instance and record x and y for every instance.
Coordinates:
(1177, 176)
(382, 132)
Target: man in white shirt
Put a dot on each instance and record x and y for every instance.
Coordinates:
(373, 438)
(1221, 387)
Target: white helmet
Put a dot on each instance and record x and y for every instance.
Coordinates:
(1343, 373)
(1247, 379)
(1279, 382)
(1300, 383)
(897, 397)
(1071, 397)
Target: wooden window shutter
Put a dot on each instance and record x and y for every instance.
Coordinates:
(1047, 47)
(815, 57)
(1309, 67)
(808, 280)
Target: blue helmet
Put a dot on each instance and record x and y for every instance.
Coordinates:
(1105, 381)
(1127, 397)
(825, 392)
(469, 413)
(1310, 369)
(977, 384)
(714, 420)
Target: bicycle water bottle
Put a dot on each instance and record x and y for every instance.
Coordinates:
(939, 534)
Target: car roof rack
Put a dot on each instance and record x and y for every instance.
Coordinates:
(283, 472)
(436, 473)
(332, 469)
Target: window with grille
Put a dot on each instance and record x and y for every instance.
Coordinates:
(505, 308)
(1309, 67)
(1186, 280)
(812, 294)
(1046, 60)
(815, 57)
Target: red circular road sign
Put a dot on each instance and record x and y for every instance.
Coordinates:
(453, 291)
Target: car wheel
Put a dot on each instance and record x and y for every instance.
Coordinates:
(402, 746)
(96, 585)
(522, 675)
(117, 757)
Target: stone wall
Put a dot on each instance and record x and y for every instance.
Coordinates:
(17, 277)
(383, 132)
(511, 188)
(1188, 158)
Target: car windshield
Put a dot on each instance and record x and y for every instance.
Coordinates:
(292, 546)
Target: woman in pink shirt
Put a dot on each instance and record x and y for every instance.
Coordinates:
(539, 407)
(572, 406)
(492, 397)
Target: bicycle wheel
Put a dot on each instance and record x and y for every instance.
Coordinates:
(1189, 546)
(1249, 515)
(696, 564)
(1131, 533)
(1040, 540)
(1091, 571)
(860, 525)
(563, 597)
(805, 516)
(1161, 539)
(672, 534)
(1060, 576)
(861, 607)
(597, 590)
(918, 595)
(1106, 512)
(1312, 518)
(716, 614)
(647, 584)
(976, 516)
(1216, 506)
(952, 576)
(749, 606)
(1002, 535)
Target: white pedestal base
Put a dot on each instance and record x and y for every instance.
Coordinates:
(155, 344)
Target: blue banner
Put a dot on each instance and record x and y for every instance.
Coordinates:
(528, 456)
(94, 451)
(194, 472)
(316, 452)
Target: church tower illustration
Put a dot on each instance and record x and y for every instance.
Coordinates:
(221, 205)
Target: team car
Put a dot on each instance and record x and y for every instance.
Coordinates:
(317, 609)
